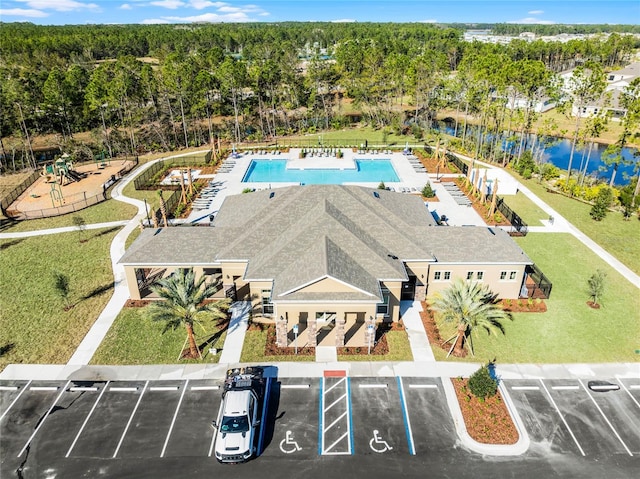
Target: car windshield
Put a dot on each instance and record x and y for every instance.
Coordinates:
(235, 424)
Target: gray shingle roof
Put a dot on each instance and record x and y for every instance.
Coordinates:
(299, 234)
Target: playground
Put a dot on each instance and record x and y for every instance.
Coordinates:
(64, 187)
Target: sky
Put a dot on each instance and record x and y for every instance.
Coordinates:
(60, 12)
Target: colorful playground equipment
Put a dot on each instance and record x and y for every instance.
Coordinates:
(61, 171)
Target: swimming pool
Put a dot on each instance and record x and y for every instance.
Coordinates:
(275, 171)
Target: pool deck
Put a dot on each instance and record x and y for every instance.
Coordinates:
(229, 181)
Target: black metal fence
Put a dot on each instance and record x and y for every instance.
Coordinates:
(537, 284)
(518, 226)
(147, 179)
(461, 165)
(20, 188)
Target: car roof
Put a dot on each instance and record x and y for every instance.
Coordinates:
(236, 403)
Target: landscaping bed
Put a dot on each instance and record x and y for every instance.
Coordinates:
(487, 420)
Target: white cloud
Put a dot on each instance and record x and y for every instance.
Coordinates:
(170, 4)
(154, 21)
(430, 20)
(126, 6)
(200, 4)
(533, 21)
(344, 20)
(536, 12)
(213, 18)
(60, 5)
(22, 12)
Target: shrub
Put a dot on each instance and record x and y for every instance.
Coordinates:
(481, 384)
(427, 191)
(382, 186)
(602, 202)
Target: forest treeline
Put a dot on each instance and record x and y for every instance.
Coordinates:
(160, 87)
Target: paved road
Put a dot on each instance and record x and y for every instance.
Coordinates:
(378, 427)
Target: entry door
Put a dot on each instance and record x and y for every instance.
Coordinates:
(408, 289)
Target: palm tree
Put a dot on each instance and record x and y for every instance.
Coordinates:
(470, 305)
(183, 303)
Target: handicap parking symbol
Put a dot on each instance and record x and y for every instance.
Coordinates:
(377, 444)
(288, 445)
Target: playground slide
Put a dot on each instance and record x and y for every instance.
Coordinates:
(74, 175)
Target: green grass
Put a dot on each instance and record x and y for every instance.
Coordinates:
(399, 350)
(110, 210)
(525, 208)
(135, 339)
(253, 350)
(34, 328)
(569, 331)
(617, 236)
(360, 134)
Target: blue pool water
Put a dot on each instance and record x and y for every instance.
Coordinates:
(274, 171)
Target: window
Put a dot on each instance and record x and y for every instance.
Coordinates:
(469, 275)
(512, 275)
(383, 308)
(436, 276)
(267, 305)
(480, 275)
(447, 275)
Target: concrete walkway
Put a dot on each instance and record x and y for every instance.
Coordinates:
(232, 349)
(63, 229)
(420, 347)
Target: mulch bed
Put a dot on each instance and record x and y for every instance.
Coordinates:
(487, 420)
(524, 305)
(136, 303)
(433, 333)
(271, 349)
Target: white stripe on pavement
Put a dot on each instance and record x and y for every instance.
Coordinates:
(124, 433)
(8, 388)
(123, 389)
(15, 400)
(205, 388)
(525, 388)
(163, 388)
(295, 386)
(86, 420)
(423, 386)
(175, 415)
(562, 417)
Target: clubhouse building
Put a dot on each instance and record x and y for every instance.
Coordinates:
(331, 259)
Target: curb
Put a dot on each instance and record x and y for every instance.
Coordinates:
(516, 449)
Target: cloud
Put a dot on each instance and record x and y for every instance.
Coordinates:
(344, 20)
(533, 21)
(536, 12)
(200, 4)
(154, 21)
(239, 17)
(60, 5)
(430, 20)
(126, 6)
(170, 4)
(22, 12)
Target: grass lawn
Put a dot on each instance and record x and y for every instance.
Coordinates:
(399, 350)
(570, 331)
(34, 328)
(526, 209)
(135, 339)
(253, 349)
(618, 237)
(359, 134)
(110, 210)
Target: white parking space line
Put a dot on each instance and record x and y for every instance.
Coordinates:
(327, 453)
(340, 381)
(630, 395)
(634, 386)
(44, 388)
(123, 389)
(82, 388)
(565, 388)
(605, 418)
(205, 388)
(335, 402)
(163, 388)
(15, 400)
(8, 388)
(562, 417)
(405, 414)
(124, 433)
(175, 415)
(213, 439)
(336, 421)
(295, 386)
(372, 386)
(423, 386)
(86, 420)
(43, 419)
(525, 388)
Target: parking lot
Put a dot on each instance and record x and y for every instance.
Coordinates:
(47, 425)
